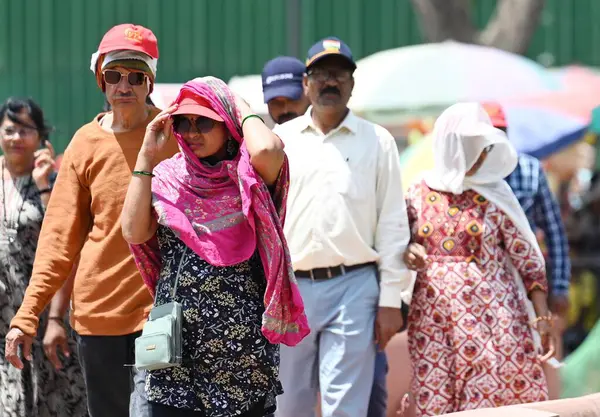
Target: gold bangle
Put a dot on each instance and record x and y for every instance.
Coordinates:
(548, 318)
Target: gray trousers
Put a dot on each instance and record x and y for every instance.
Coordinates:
(114, 388)
(338, 357)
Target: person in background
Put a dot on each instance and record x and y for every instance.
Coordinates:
(42, 387)
(347, 230)
(110, 302)
(282, 88)
(284, 95)
(529, 183)
(472, 332)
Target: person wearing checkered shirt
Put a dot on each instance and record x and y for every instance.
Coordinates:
(529, 183)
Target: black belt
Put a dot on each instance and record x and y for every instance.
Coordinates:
(329, 272)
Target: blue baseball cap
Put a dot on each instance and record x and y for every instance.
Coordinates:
(327, 47)
(282, 77)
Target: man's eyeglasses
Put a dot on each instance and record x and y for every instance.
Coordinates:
(183, 125)
(322, 75)
(114, 77)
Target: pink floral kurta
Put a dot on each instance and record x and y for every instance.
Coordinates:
(470, 339)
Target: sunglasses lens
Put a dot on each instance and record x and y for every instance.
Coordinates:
(204, 124)
(112, 77)
(181, 125)
(135, 78)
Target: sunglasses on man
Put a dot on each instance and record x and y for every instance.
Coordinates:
(114, 77)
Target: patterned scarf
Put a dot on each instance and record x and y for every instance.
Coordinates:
(224, 212)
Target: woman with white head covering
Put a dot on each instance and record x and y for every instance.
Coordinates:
(474, 338)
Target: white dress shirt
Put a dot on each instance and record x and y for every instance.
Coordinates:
(345, 202)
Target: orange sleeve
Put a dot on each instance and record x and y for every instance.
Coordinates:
(65, 227)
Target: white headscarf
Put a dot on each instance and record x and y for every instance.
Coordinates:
(124, 54)
(460, 134)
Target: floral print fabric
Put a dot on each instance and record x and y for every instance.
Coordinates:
(470, 340)
(228, 364)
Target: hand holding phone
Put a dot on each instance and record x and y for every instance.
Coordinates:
(43, 165)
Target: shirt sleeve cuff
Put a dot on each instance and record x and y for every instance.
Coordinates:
(25, 324)
(560, 291)
(394, 293)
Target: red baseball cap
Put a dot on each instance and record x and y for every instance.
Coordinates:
(496, 113)
(125, 37)
(130, 37)
(198, 106)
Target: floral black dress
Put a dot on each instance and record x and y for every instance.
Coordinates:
(228, 365)
(38, 390)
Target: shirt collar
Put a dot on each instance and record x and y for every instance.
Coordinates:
(350, 123)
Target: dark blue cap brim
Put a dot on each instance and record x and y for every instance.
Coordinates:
(291, 91)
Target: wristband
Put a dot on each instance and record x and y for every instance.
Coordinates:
(58, 319)
(144, 173)
(251, 116)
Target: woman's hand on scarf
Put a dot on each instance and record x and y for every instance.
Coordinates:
(415, 256)
(157, 134)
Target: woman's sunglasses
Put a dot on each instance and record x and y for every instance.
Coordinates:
(133, 77)
(183, 125)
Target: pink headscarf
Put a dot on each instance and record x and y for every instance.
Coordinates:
(224, 213)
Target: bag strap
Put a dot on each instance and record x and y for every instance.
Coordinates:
(174, 291)
(185, 249)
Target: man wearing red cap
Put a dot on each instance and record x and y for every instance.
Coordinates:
(109, 301)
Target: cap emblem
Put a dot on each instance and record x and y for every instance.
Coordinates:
(331, 45)
(133, 35)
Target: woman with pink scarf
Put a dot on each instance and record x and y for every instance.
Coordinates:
(207, 224)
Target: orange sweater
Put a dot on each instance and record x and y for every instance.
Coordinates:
(83, 217)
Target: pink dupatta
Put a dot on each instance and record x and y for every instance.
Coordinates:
(224, 213)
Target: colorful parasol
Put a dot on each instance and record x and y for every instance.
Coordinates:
(441, 74)
(535, 131)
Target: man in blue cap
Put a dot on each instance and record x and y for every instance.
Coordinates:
(347, 229)
(282, 88)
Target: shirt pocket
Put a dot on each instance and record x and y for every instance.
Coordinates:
(353, 182)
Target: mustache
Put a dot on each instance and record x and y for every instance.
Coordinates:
(286, 117)
(330, 90)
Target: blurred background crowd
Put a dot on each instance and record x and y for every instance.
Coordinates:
(540, 59)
